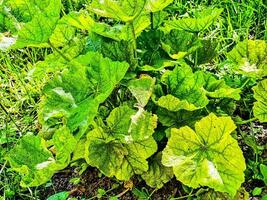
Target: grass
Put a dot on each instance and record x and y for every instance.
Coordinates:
(20, 93)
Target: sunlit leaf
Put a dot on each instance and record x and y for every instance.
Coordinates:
(179, 44)
(208, 156)
(83, 20)
(121, 149)
(142, 89)
(33, 161)
(74, 95)
(38, 30)
(157, 5)
(200, 22)
(260, 106)
(124, 10)
(249, 58)
(184, 90)
(218, 88)
(157, 174)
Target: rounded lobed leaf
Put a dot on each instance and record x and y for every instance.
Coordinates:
(208, 156)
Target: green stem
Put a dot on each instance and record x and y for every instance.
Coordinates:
(246, 121)
(183, 197)
(5, 111)
(134, 47)
(245, 83)
(151, 20)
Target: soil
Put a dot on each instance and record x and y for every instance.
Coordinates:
(90, 182)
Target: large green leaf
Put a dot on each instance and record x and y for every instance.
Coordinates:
(83, 20)
(249, 58)
(123, 10)
(33, 161)
(260, 106)
(179, 118)
(157, 174)
(27, 9)
(184, 90)
(200, 22)
(74, 95)
(218, 88)
(208, 156)
(119, 120)
(157, 5)
(179, 44)
(121, 148)
(63, 33)
(142, 89)
(64, 143)
(104, 152)
(55, 62)
(39, 29)
(210, 194)
(115, 50)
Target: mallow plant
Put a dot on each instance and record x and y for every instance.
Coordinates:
(130, 94)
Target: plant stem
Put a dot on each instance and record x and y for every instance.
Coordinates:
(134, 47)
(4, 109)
(245, 83)
(246, 121)
(151, 20)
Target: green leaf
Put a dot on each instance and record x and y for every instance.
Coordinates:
(119, 120)
(142, 89)
(178, 119)
(249, 57)
(120, 10)
(27, 9)
(158, 5)
(179, 44)
(62, 34)
(208, 156)
(7, 21)
(59, 196)
(157, 174)
(64, 143)
(174, 104)
(218, 88)
(37, 32)
(185, 90)
(79, 150)
(256, 191)
(117, 32)
(122, 147)
(104, 152)
(206, 52)
(200, 22)
(263, 169)
(54, 62)
(260, 106)
(33, 161)
(74, 95)
(242, 194)
(135, 161)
